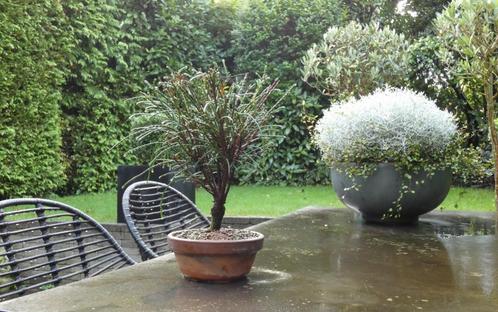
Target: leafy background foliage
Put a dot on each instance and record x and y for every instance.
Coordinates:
(32, 48)
(68, 67)
(354, 60)
(433, 77)
(271, 37)
(167, 35)
(99, 78)
(467, 32)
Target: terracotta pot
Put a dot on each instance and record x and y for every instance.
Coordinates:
(215, 261)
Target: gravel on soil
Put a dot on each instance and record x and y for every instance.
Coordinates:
(222, 234)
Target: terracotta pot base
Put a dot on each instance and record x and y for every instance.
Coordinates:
(215, 282)
(215, 261)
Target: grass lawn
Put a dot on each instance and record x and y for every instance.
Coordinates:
(274, 201)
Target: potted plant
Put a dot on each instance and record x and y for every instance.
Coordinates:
(390, 153)
(207, 122)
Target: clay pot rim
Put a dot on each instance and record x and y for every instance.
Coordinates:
(208, 241)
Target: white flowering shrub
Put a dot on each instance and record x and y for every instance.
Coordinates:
(389, 125)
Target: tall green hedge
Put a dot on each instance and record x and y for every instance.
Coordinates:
(272, 36)
(31, 53)
(119, 44)
(171, 34)
(100, 76)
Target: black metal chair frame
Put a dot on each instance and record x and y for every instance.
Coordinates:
(162, 209)
(70, 250)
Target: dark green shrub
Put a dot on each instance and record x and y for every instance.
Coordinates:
(419, 24)
(170, 34)
(100, 76)
(117, 45)
(366, 11)
(472, 167)
(271, 37)
(288, 158)
(413, 19)
(31, 51)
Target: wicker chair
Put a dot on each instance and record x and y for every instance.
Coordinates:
(45, 243)
(152, 210)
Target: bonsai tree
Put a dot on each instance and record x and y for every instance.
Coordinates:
(206, 122)
(468, 30)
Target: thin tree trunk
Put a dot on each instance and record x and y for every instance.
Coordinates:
(217, 214)
(491, 102)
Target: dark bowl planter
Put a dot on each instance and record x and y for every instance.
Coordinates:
(215, 261)
(376, 193)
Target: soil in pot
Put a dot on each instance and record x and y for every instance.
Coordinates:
(215, 256)
(222, 234)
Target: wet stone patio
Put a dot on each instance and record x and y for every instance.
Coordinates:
(315, 260)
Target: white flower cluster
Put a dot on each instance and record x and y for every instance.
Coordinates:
(387, 122)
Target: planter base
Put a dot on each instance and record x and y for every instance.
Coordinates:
(390, 221)
(242, 278)
(374, 196)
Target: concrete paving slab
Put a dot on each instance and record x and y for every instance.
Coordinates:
(315, 260)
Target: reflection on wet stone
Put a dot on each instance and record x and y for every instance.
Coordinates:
(445, 258)
(324, 260)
